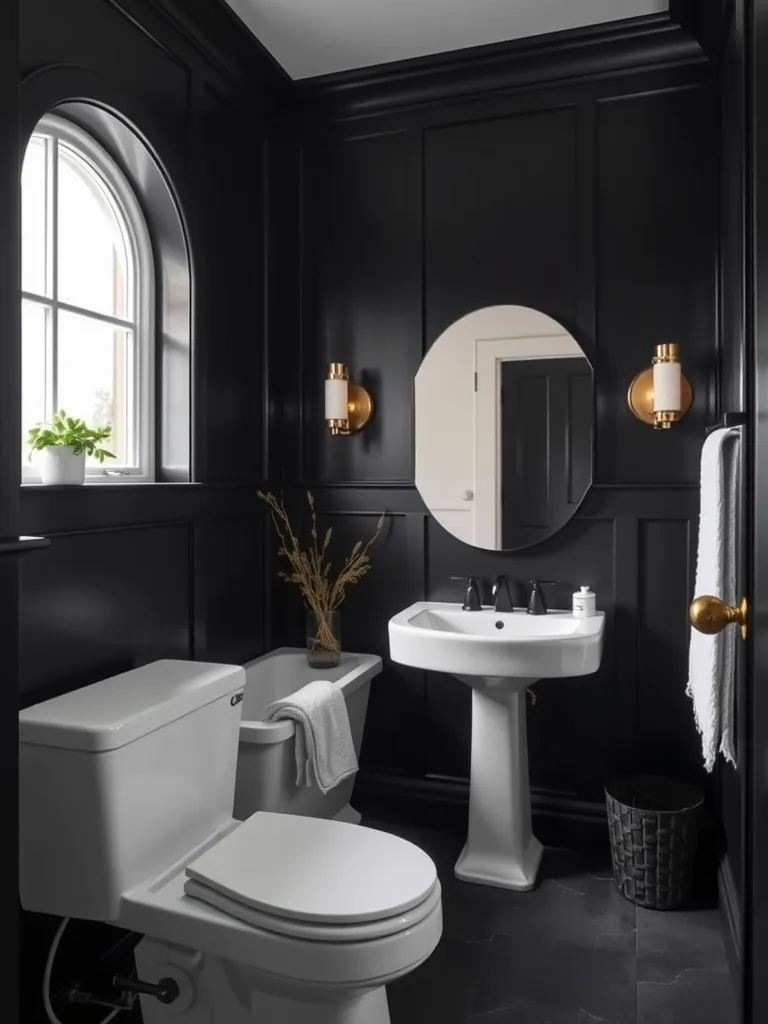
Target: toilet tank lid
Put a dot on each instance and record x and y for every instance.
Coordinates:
(118, 710)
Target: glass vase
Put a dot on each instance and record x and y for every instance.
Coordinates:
(323, 639)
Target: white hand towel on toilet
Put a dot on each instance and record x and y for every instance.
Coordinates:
(324, 745)
(712, 659)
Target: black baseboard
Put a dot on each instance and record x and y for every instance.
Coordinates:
(558, 820)
(730, 910)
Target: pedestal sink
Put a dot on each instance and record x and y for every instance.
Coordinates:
(499, 655)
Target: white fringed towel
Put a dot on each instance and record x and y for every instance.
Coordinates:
(712, 659)
(324, 746)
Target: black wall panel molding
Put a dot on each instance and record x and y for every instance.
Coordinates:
(730, 906)
(20, 545)
(706, 21)
(411, 215)
(138, 572)
(442, 802)
(95, 620)
(211, 30)
(10, 445)
(652, 41)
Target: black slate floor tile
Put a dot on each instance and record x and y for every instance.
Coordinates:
(670, 941)
(572, 951)
(558, 978)
(693, 996)
(441, 990)
(572, 907)
(534, 1013)
(682, 969)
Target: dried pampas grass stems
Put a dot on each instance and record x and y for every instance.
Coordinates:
(310, 568)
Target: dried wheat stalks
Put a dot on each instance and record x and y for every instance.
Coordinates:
(311, 570)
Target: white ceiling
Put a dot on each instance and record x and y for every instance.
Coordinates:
(316, 37)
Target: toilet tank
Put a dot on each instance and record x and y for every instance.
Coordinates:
(120, 779)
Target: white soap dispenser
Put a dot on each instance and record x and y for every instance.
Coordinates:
(584, 603)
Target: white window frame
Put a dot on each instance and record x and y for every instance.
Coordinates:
(141, 325)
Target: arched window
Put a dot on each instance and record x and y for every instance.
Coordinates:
(87, 298)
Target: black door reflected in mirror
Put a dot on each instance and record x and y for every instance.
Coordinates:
(504, 423)
(552, 399)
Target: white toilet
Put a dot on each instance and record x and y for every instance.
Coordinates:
(126, 794)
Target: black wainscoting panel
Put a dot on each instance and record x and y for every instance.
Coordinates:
(10, 431)
(229, 255)
(139, 573)
(98, 35)
(283, 449)
(363, 298)
(500, 215)
(596, 202)
(101, 603)
(666, 733)
(656, 274)
(230, 576)
(95, 35)
(625, 543)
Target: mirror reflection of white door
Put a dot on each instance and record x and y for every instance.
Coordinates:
(490, 355)
(458, 431)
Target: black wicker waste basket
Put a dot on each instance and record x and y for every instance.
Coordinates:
(654, 827)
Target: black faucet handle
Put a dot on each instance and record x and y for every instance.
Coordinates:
(536, 603)
(472, 595)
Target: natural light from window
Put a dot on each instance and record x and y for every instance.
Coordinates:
(86, 297)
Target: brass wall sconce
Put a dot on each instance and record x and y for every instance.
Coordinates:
(661, 395)
(348, 406)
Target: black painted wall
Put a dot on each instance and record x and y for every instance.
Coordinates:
(735, 358)
(10, 419)
(136, 573)
(356, 225)
(593, 196)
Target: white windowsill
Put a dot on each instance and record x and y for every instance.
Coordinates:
(99, 484)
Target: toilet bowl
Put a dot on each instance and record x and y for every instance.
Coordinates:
(288, 920)
(277, 919)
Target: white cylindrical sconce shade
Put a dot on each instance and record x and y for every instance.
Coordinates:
(666, 387)
(336, 399)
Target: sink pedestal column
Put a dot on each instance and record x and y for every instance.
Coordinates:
(501, 849)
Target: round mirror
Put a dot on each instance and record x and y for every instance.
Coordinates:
(503, 424)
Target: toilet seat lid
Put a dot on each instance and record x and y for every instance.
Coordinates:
(311, 869)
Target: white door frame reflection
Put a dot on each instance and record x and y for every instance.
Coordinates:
(458, 417)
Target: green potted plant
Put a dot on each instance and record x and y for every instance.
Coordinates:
(63, 445)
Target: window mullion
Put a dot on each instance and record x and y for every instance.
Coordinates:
(54, 356)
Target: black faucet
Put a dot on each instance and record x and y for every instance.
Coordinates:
(472, 595)
(501, 594)
(536, 603)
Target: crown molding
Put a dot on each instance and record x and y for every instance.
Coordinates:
(652, 41)
(708, 21)
(220, 38)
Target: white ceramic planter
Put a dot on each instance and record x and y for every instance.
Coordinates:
(60, 465)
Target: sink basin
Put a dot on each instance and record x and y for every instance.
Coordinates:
(499, 655)
(443, 638)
